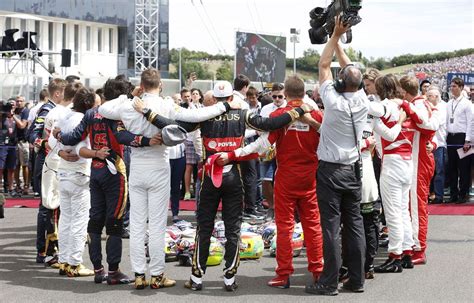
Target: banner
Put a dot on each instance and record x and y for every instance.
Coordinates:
(260, 57)
(468, 78)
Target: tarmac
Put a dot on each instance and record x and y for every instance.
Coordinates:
(447, 277)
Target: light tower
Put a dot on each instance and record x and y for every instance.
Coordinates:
(146, 35)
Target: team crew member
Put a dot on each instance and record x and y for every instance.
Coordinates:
(296, 159)
(73, 185)
(459, 126)
(108, 182)
(46, 230)
(224, 133)
(423, 165)
(150, 176)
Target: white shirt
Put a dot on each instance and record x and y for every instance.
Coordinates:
(337, 143)
(441, 133)
(67, 123)
(33, 112)
(177, 151)
(270, 108)
(135, 122)
(460, 113)
(238, 96)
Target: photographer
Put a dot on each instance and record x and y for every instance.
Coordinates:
(338, 176)
(21, 120)
(8, 137)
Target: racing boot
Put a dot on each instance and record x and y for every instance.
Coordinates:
(229, 282)
(370, 273)
(140, 281)
(419, 258)
(117, 277)
(407, 261)
(161, 281)
(99, 275)
(194, 283)
(52, 261)
(391, 265)
(79, 271)
(280, 282)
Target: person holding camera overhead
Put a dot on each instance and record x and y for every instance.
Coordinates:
(338, 175)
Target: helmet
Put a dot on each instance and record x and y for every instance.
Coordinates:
(216, 253)
(170, 248)
(251, 246)
(183, 224)
(185, 247)
(268, 232)
(296, 242)
(247, 227)
(219, 231)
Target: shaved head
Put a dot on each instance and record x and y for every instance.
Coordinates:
(352, 77)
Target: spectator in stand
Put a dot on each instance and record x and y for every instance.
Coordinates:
(21, 120)
(459, 126)
(433, 95)
(8, 140)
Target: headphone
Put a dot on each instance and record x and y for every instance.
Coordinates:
(340, 84)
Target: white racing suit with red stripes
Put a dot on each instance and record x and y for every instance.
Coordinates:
(396, 176)
(423, 170)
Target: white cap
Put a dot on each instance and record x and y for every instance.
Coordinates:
(223, 89)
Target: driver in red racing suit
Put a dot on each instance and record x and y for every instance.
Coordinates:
(295, 183)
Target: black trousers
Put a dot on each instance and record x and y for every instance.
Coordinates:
(231, 194)
(249, 178)
(339, 196)
(108, 204)
(458, 169)
(45, 224)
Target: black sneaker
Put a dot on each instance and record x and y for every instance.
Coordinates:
(320, 289)
(2, 212)
(118, 277)
(348, 286)
(369, 274)
(125, 233)
(462, 200)
(252, 214)
(343, 274)
(383, 242)
(390, 265)
(40, 259)
(99, 275)
(437, 200)
(190, 284)
(407, 262)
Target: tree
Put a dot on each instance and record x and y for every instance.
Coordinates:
(225, 72)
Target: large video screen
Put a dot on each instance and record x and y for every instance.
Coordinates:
(261, 57)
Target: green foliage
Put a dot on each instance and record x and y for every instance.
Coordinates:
(309, 61)
(201, 70)
(195, 55)
(428, 58)
(225, 72)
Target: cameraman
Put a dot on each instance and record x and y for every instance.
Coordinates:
(21, 120)
(8, 137)
(338, 178)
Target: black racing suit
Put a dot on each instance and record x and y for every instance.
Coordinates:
(47, 218)
(224, 133)
(108, 191)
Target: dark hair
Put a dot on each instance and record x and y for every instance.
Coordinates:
(387, 87)
(458, 81)
(277, 87)
(201, 96)
(252, 91)
(183, 91)
(114, 88)
(71, 89)
(294, 87)
(100, 93)
(150, 78)
(121, 77)
(240, 82)
(84, 99)
(72, 78)
(43, 94)
(266, 99)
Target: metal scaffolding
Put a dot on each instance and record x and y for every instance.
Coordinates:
(146, 35)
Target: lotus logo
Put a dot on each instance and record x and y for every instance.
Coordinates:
(221, 87)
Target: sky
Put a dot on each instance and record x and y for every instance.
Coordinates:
(389, 27)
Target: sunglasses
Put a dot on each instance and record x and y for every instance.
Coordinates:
(278, 96)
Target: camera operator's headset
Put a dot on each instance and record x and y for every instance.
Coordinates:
(340, 84)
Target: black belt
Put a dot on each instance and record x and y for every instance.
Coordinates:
(455, 134)
(336, 165)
